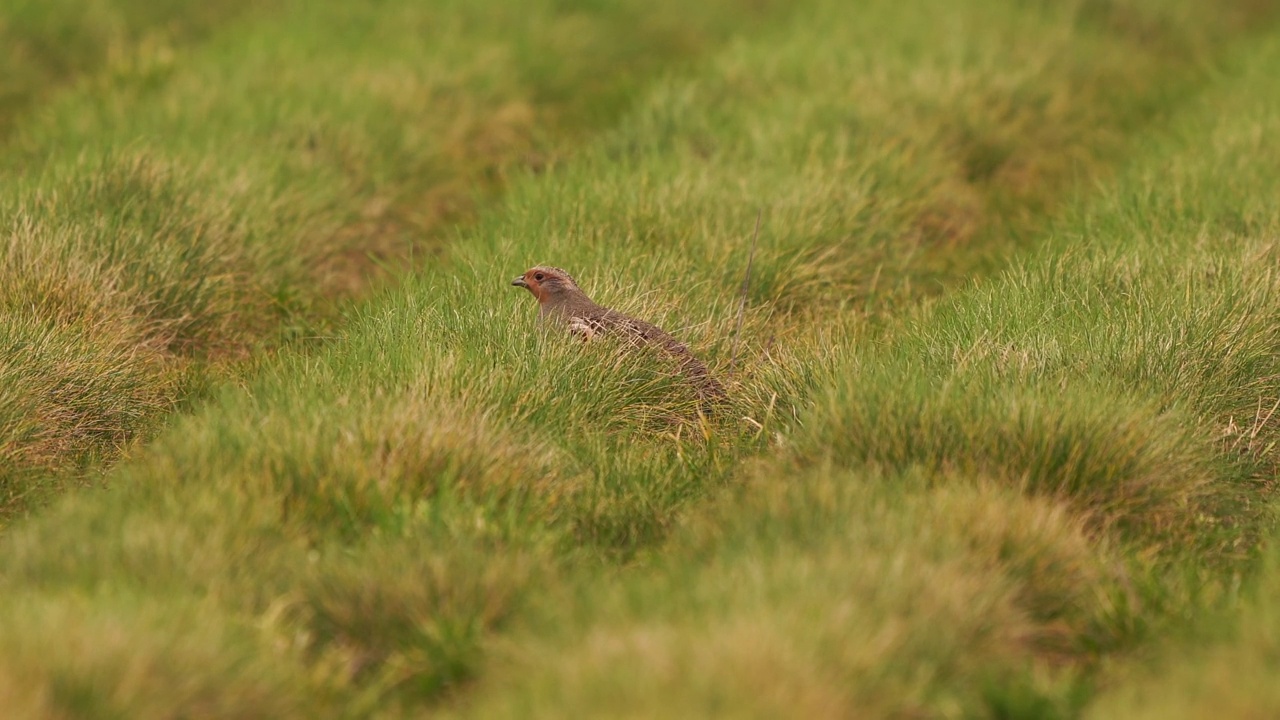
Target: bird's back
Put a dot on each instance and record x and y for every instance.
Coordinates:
(561, 300)
(599, 320)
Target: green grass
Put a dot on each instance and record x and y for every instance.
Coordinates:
(942, 489)
(989, 501)
(175, 217)
(52, 45)
(1225, 664)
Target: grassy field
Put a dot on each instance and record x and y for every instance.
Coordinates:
(193, 206)
(277, 439)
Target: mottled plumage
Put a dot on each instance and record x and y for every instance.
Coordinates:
(561, 300)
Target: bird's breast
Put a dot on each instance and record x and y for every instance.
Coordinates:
(582, 327)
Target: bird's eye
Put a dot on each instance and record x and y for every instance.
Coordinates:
(538, 277)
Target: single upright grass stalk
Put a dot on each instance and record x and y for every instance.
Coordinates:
(742, 295)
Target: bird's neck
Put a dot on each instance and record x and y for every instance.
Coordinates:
(567, 304)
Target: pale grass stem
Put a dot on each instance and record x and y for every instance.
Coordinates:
(742, 296)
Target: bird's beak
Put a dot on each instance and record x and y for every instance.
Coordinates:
(519, 282)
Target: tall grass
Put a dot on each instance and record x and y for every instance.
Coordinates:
(175, 216)
(959, 509)
(1221, 182)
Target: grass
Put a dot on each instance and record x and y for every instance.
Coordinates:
(1224, 664)
(50, 46)
(940, 491)
(990, 500)
(176, 217)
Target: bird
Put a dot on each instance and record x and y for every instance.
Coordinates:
(561, 301)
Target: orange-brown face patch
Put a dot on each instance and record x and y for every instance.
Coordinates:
(534, 277)
(533, 283)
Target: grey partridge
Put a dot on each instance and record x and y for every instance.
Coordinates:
(560, 300)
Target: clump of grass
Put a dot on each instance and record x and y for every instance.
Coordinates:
(1226, 667)
(1100, 375)
(824, 592)
(421, 634)
(111, 652)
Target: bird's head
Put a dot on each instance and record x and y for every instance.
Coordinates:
(548, 284)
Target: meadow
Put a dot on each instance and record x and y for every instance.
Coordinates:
(278, 439)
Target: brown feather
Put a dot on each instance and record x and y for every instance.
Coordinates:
(561, 300)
